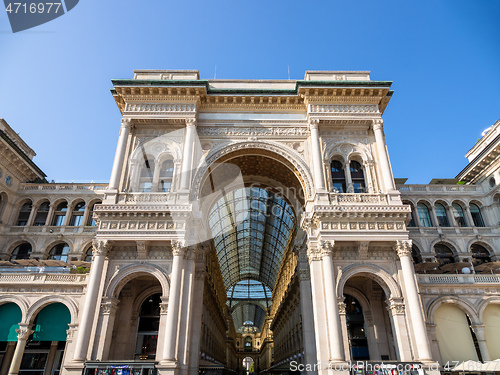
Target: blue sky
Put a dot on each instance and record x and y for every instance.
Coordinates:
(443, 57)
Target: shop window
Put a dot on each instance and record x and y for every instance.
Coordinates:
(148, 325)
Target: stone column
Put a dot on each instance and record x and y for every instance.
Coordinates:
(187, 153)
(197, 310)
(481, 340)
(91, 297)
(319, 176)
(306, 308)
(434, 219)
(169, 354)
(318, 304)
(332, 312)
(396, 309)
(347, 172)
(120, 154)
(371, 336)
(109, 307)
(7, 359)
(186, 307)
(343, 324)
(413, 301)
(383, 156)
(468, 215)
(23, 333)
(367, 166)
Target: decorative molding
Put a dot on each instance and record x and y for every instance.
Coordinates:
(403, 248)
(341, 307)
(100, 247)
(378, 124)
(23, 333)
(252, 131)
(395, 307)
(344, 110)
(163, 308)
(177, 248)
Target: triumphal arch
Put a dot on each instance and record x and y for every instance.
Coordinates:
(250, 222)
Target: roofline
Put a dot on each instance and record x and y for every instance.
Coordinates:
(22, 154)
(492, 144)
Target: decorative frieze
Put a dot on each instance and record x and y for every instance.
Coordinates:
(160, 108)
(235, 131)
(343, 110)
(362, 225)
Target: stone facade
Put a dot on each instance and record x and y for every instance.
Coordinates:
(162, 291)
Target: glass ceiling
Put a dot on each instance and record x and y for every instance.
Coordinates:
(251, 228)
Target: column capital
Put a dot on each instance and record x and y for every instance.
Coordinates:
(23, 332)
(395, 307)
(300, 251)
(314, 253)
(189, 253)
(378, 124)
(327, 247)
(341, 307)
(403, 248)
(368, 163)
(100, 247)
(126, 122)
(313, 124)
(109, 305)
(177, 248)
(190, 121)
(163, 308)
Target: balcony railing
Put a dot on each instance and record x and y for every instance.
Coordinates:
(42, 278)
(146, 197)
(432, 189)
(458, 279)
(95, 187)
(357, 198)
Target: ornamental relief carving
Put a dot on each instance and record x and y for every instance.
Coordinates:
(362, 225)
(160, 252)
(274, 147)
(235, 131)
(160, 107)
(325, 109)
(123, 252)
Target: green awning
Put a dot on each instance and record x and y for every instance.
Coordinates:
(52, 323)
(10, 317)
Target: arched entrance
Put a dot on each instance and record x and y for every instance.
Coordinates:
(253, 226)
(135, 317)
(374, 318)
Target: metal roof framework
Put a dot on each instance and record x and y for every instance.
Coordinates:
(251, 228)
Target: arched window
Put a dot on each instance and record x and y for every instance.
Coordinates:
(415, 254)
(444, 255)
(88, 254)
(458, 214)
(412, 215)
(166, 176)
(480, 254)
(338, 176)
(22, 251)
(477, 218)
(147, 331)
(248, 343)
(91, 222)
(60, 214)
(441, 215)
(77, 215)
(41, 214)
(59, 252)
(423, 215)
(147, 173)
(24, 214)
(358, 177)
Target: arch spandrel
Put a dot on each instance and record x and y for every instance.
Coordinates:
(384, 279)
(273, 150)
(127, 273)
